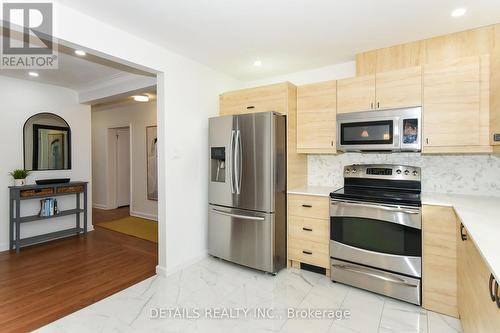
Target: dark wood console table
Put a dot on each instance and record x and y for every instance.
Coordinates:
(30, 192)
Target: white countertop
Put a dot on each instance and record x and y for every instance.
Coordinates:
(320, 191)
(481, 217)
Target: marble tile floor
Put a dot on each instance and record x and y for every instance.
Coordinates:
(200, 290)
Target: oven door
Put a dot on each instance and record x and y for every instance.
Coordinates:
(368, 134)
(381, 236)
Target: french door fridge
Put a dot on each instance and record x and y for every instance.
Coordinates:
(247, 190)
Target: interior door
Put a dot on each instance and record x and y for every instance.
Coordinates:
(253, 154)
(123, 167)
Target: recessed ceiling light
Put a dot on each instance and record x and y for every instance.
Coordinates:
(34, 74)
(141, 98)
(257, 63)
(458, 12)
(80, 53)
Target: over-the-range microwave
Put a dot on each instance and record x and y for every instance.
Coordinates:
(381, 130)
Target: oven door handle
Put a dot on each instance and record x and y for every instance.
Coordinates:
(384, 207)
(396, 280)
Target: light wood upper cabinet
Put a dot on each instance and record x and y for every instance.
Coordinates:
(316, 117)
(400, 88)
(385, 90)
(356, 94)
(456, 106)
(260, 99)
(439, 260)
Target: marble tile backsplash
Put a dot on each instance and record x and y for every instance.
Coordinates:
(459, 174)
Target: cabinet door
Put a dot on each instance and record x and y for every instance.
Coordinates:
(316, 117)
(356, 94)
(400, 88)
(439, 260)
(260, 99)
(477, 312)
(452, 104)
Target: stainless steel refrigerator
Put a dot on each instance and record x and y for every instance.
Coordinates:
(247, 190)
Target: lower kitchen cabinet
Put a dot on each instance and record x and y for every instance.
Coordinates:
(309, 231)
(478, 310)
(439, 260)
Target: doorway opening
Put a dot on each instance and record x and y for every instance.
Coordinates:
(125, 170)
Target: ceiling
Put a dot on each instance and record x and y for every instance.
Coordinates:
(78, 73)
(286, 35)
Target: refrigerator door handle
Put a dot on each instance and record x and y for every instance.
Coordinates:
(239, 216)
(231, 159)
(238, 162)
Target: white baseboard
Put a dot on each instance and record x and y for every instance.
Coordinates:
(161, 271)
(144, 215)
(172, 270)
(99, 206)
(4, 247)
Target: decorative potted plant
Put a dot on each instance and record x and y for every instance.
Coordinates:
(19, 176)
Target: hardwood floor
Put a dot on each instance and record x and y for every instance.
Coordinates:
(101, 215)
(49, 281)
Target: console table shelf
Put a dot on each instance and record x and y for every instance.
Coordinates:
(31, 192)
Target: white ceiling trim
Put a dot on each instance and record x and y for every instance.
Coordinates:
(119, 85)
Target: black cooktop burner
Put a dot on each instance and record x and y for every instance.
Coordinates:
(378, 195)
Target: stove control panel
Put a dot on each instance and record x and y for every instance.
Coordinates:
(382, 171)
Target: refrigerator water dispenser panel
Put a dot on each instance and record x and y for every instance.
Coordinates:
(218, 164)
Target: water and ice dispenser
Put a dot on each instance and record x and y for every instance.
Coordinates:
(218, 164)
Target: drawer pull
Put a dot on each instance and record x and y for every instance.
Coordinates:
(490, 287)
(307, 229)
(307, 252)
(250, 107)
(462, 234)
(307, 206)
(497, 298)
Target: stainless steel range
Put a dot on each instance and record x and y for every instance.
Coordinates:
(375, 230)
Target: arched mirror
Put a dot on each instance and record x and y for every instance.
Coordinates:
(47, 143)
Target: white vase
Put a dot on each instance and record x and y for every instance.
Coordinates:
(19, 182)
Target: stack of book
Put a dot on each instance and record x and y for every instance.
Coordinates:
(48, 207)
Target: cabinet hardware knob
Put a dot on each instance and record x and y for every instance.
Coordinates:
(307, 229)
(462, 234)
(378, 105)
(306, 206)
(497, 298)
(427, 140)
(332, 143)
(307, 252)
(490, 287)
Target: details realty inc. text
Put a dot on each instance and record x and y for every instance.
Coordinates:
(223, 313)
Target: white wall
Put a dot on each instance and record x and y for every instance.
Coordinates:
(187, 96)
(333, 72)
(20, 100)
(136, 116)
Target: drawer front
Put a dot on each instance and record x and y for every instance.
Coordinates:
(70, 189)
(308, 252)
(309, 206)
(308, 229)
(37, 193)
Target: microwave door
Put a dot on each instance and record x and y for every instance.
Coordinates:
(222, 138)
(368, 134)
